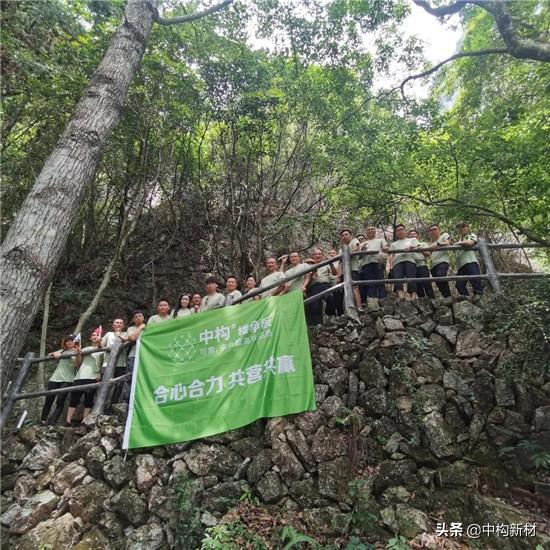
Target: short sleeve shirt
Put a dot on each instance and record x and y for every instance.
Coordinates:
(158, 319)
(65, 370)
(90, 366)
(376, 245)
(468, 255)
(323, 275)
(356, 261)
(106, 342)
(232, 296)
(131, 331)
(421, 260)
(298, 283)
(441, 256)
(182, 312)
(215, 301)
(403, 244)
(269, 280)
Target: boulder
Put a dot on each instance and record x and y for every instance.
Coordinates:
(309, 422)
(24, 487)
(450, 333)
(443, 316)
(440, 435)
(542, 418)
(146, 537)
(333, 479)
(504, 393)
(116, 472)
(163, 502)
(260, 464)
(429, 398)
(222, 496)
(36, 509)
(405, 520)
(88, 501)
(299, 445)
(440, 346)
(130, 506)
(372, 374)
(468, 314)
(353, 389)
(452, 381)
(42, 455)
(326, 521)
(429, 368)
(68, 477)
(394, 472)
(270, 488)
(321, 391)
(328, 443)
(427, 327)
(457, 474)
(374, 401)
(392, 324)
(329, 357)
(469, 343)
(83, 446)
(203, 459)
(61, 532)
(289, 466)
(333, 406)
(94, 461)
(483, 392)
(337, 379)
(146, 472)
(93, 540)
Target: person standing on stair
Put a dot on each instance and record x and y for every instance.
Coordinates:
(232, 293)
(134, 332)
(336, 305)
(296, 268)
(424, 289)
(107, 341)
(466, 260)
(347, 238)
(182, 308)
(273, 275)
(163, 312)
(62, 377)
(249, 286)
(440, 258)
(213, 299)
(89, 372)
(196, 303)
(370, 269)
(404, 263)
(320, 281)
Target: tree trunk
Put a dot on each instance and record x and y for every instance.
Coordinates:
(36, 240)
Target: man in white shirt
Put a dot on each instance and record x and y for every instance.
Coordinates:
(296, 268)
(347, 238)
(163, 312)
(231, 291)
(213, 299)
(370, 268)
(106, 342)
(440, 258)
(273, 275)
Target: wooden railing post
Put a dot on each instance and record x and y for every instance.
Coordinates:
(349, 302)
(103, 391)
(492, 273)
(15, 388)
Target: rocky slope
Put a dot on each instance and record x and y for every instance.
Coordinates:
(418, 422)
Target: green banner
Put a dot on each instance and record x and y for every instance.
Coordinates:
(219, 370)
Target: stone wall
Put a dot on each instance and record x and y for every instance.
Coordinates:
(417, 421)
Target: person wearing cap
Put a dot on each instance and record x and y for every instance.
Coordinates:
(213, 299)
(296, 268)
(273, 275)
(440, 258)
(404, 263)
(88, 373)
(466, 260)
(232, 293)
(62, 377)
(346, 237)
(163, 312)
(133, 334)
(424, 289)
(370, 268)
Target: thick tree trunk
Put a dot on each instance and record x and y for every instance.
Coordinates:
(35, 242)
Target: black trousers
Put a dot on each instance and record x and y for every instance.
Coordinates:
(315, 310)
(127, 386)
(335, 306)
(441, 270)
(76, 396)
(424, 289)
(59, 401)
(369, 272)
(469, 269)
(404, 270)
(117, 390)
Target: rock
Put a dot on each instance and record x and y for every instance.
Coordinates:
(334, 406)
(514, 421)
(24, 487)
(299, 445)
(443, 316)
(439, 434)
(109, 445)
(496, 416)
(405, 520)
(394, 339)
(93, 540)
(468, 314)
(372, 373)
(440, 346)
(321, 391)
(146, 537)
(146, 472)
(429, 398)
(94, 461)
(42, 455)
(223, 496)
(309, 422)
(353, 390)
(83, 446)
(270, 488)
(392, 444)
(392, 324)
(429, 368)
(374, 401)
(329, 357)
(450, 333)
(208, 520)
(469, 344)
(9, 515)
(13, 449)
(326, 521)
(36, 509)
(394, 472)
(333, 479)
(337, 379)
(402, 380)
(68, 477)
(427, 327)
(260, 464)
(116, 472)
(203, 459)
(482, 389)
(404, 404)
(58, 533)
(328, 444)
(524, 401)
(88, 501)
(290, 467)
(542, 418)
(452, 381)
(504, 393)
(129, 505)
(163, 502)
(457, 474)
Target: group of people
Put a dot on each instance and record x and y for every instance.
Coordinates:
(405, 258)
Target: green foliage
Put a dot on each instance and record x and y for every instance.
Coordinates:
(230, 536)
(292, 538)
(361, 518)
(355, 544)
(189, 530)
(398, 543)
(539, 456)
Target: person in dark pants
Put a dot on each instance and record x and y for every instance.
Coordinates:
(319, 281)
(404, 263)
(133, 334)
(62, 377)
(424, 289)
(370, 269)
(466, 260)
(336, 305)
(440, 258)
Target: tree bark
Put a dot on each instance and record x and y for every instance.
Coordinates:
(35, 242)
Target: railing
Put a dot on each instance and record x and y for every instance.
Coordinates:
(491, 275)
(13, 393)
